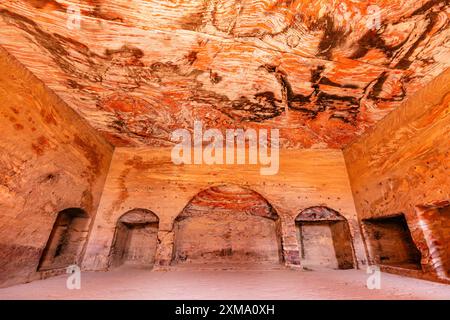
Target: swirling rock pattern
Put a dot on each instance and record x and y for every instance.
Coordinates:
(322, 71)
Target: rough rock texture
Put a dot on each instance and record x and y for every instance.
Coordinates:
(146, 178)
(66, 241)
(136, 70)
(135, 239)
(389, 242)
(227, 224)
(50, 160)
(325, 239)
(319, 213)
(435, 223)
(402, 166)
(321, 71)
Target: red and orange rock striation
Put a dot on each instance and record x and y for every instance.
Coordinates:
(50, 160)
(401, 168)
(228, 224)
(137, 70)
(322, 72)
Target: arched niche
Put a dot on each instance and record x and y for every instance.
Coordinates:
(135, 240)
(325, 240)
(227, 224)
(66, 240)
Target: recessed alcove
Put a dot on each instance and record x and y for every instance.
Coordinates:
(66, 240)
(390, 242)
(324, 239)
(135, 239)
(227, 225)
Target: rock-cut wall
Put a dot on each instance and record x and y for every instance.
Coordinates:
(401, 169)
(50, 160)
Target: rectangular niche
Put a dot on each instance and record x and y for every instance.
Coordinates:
(66, 240)
(135, 244)
(325, 244)
(136, 239)
(390, 243)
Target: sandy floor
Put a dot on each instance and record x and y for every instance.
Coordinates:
(224, 284)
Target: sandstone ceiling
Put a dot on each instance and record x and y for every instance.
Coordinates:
(318, 70)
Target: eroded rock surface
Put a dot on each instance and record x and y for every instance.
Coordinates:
(321, 71)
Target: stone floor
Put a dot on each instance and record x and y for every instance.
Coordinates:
(132, 283)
